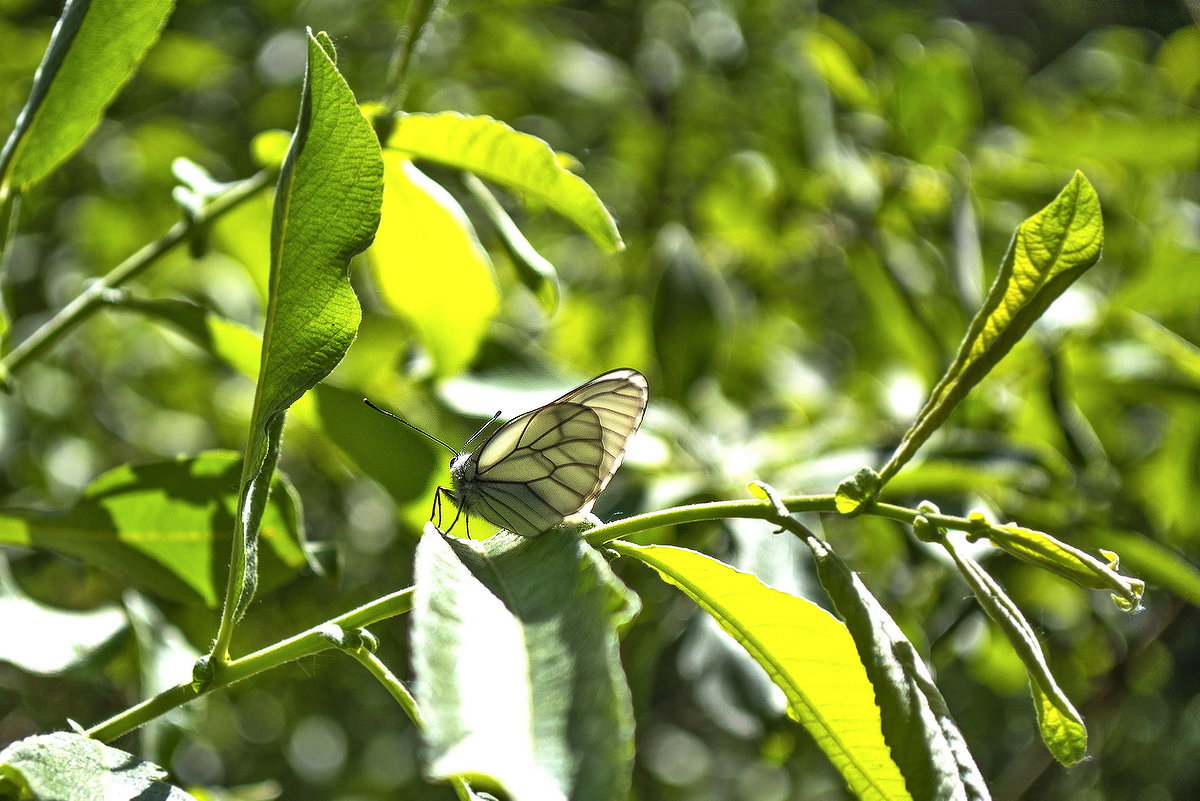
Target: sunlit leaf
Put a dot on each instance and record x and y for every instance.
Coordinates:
(326, 210)
(95, 48)
(517, 670)
(807, 652)
(430, 268)
(1049, 251)
(70, 767)
(165, 527)
(517, 161)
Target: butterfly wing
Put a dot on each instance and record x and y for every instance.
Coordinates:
(538, 468)
(552, 462)
(619, 398)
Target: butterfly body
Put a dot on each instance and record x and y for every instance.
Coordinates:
(550, 463)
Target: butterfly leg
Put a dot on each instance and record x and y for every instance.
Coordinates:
(455, 520)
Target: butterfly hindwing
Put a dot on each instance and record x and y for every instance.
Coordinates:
(552, 462)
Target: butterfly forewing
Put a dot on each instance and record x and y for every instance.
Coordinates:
(552, 462)
(619, 398)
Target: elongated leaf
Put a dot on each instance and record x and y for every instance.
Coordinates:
(430, 268)
(520, 162)
(70, 767)
(326, 210)
(1048, 252)
(925, 740)
(807, 652)
(535, 271)
(165, 527)
(517, 670)
(1155, 562)
(1060, 724)
(41, 639)
(96, 47)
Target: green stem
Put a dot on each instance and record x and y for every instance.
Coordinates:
(312, 640)
(303, 644)
(417, 22)
(760, 510)
(406, 701)
(95, 296)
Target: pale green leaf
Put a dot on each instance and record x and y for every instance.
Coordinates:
(806, 651)
(924, 739)
(326, 210)
(70, 767)
(1061, 726)
(45, 640)
(165, 527)
(535, 271)
(96, 47)
(430, 268)
(1048, 252)
(517, 666)
(517, 161)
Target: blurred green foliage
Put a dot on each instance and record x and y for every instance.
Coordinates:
(814, 200)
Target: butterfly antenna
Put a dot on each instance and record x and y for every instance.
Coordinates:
(495, 417)
(410, 425)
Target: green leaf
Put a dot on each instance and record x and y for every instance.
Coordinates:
(1041, 549)
(165, 527)
(96, 47)
(1048, 252)
(48, 641)
(533, 269)
(1060, 724)
(517, 667)
(1157, 563)
(327, 207)
(70, 767)
(430, 268)
(924, 739)
(519, 162)
(807, 652)
(856, 491)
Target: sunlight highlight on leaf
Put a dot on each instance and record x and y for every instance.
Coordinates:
(1048, 252)
(430, 268)
(806, 651)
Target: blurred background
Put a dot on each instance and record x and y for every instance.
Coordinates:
(814, 198)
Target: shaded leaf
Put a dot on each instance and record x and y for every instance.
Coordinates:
(807, 652)
(517, 667)
(925, 741)
(1060, 724)
(165, 527)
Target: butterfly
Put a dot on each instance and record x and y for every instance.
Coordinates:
(550, 463)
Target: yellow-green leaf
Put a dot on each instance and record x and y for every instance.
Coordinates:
(806, 651)
(430, 268)
(520, 162)
(1048, 252)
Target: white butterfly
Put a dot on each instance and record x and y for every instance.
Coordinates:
(550, 463)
